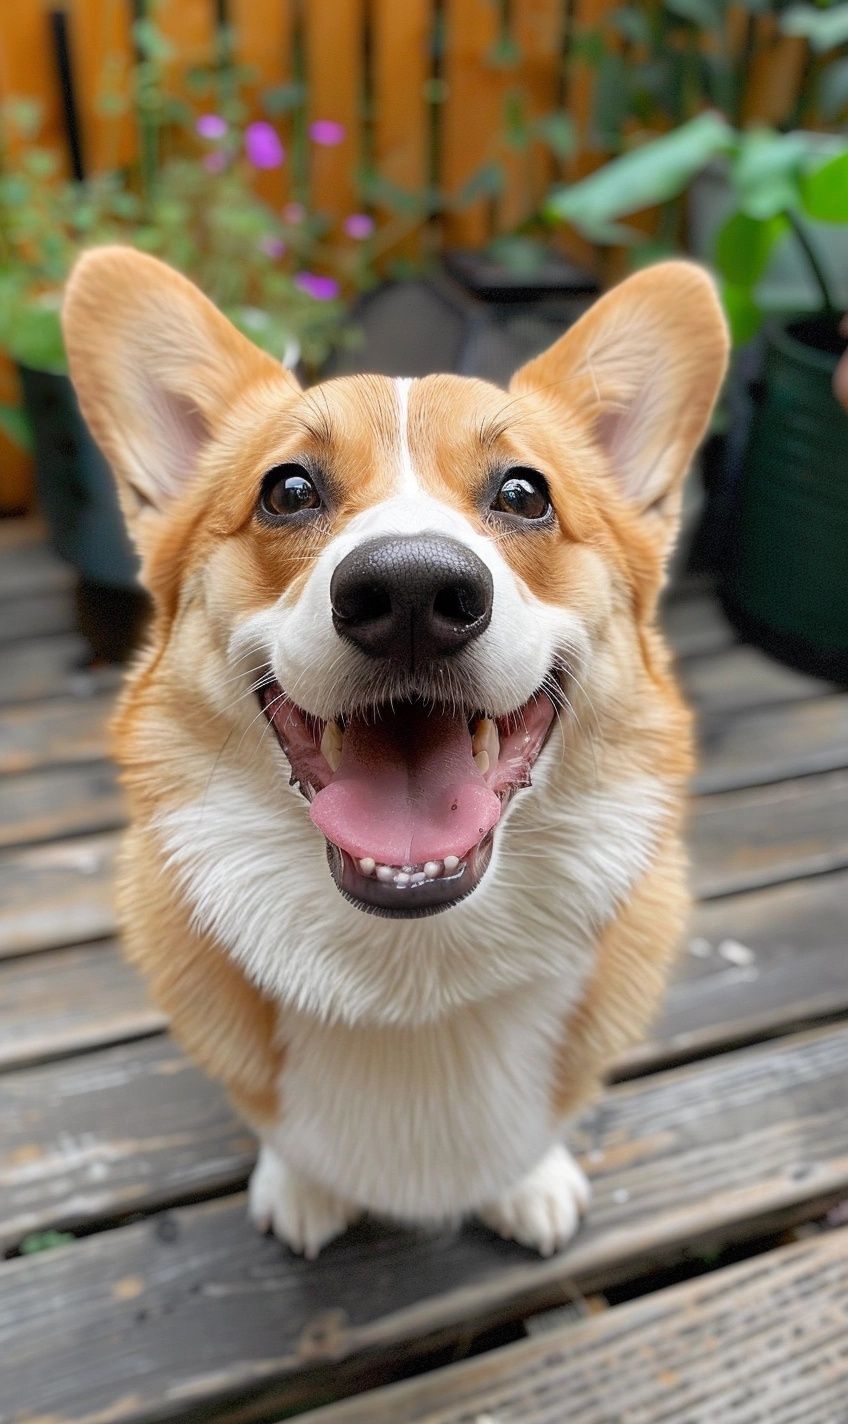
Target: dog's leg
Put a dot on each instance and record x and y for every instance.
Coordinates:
(543, 1211)
(300, 1212)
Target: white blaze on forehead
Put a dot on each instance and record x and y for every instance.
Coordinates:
(408, 482)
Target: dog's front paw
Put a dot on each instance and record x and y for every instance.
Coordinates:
(298, 1211)
(543, 1211)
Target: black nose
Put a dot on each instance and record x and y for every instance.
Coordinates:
(411, 598)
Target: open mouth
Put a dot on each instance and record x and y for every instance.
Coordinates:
(408, 794)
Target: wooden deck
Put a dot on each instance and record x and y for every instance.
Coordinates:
(710, 1283)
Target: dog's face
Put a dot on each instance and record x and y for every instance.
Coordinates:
(432, 589)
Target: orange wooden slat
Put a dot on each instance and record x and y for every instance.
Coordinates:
(17, 489)
(102, 58)
(401, 67)
(28, 71)
(473, 114)
(776, 73)
(334, 76)
(189, 28)
(537, 31)
(263, 41)
(587, 15)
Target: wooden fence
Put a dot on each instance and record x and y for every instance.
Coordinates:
(420, 87)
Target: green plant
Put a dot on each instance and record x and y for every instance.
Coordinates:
(776, 180)
(283, 276)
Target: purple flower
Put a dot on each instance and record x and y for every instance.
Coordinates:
(262, 145)
(271, 246)
(294, 213)
(359, 226)
(214, 162)
(327, 132)
(211, 126)
(323, 289)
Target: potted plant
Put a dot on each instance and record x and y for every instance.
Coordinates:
(189, 199)
(785, 564)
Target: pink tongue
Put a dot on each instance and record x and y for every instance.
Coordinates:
(407, 791)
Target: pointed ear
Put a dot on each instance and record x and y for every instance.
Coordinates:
(643, 369)
(155, 366)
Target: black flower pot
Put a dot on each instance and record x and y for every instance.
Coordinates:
(77, 495)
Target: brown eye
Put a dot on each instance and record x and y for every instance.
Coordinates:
(287, 490)
(523, 493)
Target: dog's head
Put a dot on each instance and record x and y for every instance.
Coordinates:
(422, 582)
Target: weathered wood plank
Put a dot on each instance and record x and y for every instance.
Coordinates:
(773, 744)
(56, 733)
(52, 667)
(763, 1340)
(36, 616)
(170, 1315)
(56, 894)
(758, 965)
(70, 1000)
(754, 965)
(695, 625)
(741, 678)
(29, 566)
(50, 803)
(741, 840)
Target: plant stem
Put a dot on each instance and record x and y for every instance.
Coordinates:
(811, 255)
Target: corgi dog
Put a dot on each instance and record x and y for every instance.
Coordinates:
(404, 755)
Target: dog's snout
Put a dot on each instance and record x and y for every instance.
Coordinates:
(411, 598)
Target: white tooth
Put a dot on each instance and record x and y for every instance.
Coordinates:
(331, 745)
(402, 879)
(451, 863)
(367, 865)
(418, 878)
(486, 739)
(432, 869)
(386, 873)
(481, 761)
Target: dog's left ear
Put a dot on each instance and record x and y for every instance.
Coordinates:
(642, 370)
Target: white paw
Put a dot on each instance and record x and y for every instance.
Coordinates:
(543, 1211)
(298, 1211)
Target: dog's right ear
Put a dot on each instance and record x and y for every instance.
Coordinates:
(155, 366)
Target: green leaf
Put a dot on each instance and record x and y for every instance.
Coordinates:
(766, 172)
(743, 246)
(652, 174)
(833, 90)
(612, 94)
(824, 193)
(150, 41)
(282, 98)
(632, 24)
(487, 182)
(44, 1241)
(825, 29)
(14, 424)
(706, 14)
(743, 315)
(557, 131)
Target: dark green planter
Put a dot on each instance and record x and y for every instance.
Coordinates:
(75, 487)
(77, 496)
(786, 585)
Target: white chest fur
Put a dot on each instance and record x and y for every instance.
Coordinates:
(426, 1121)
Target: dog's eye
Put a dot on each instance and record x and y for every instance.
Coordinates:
(288, 489)
(524, 493)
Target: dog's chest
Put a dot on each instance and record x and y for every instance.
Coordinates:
(428, 1121)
